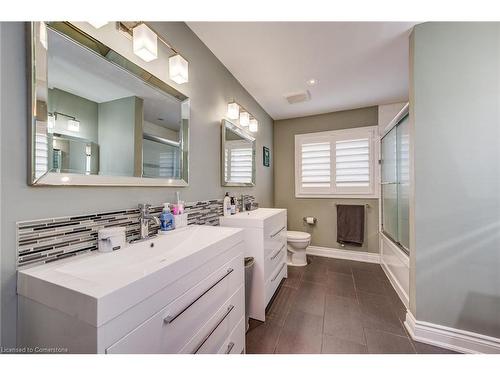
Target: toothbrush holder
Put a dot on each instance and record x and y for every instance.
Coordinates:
(181, 220)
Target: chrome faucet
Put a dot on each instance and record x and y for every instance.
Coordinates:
(144, 219)
(243, 202)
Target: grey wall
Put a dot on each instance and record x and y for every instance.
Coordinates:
(455, 104)
(210, 88)
(324, 233)
(117, 136)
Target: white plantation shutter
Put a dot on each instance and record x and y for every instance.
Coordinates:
(336, 163)
(352, 163)
(240, 165)
(316, 165)
(41, 149)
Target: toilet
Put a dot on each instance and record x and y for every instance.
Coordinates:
(297, 244)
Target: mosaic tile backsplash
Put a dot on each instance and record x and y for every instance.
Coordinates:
(48, 240)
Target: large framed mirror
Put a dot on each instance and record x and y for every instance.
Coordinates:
(237, 156)
(96, 118)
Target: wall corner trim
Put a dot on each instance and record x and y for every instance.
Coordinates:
(330, 252)
(451, 338)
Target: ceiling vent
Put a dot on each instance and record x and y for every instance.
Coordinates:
(298, 97)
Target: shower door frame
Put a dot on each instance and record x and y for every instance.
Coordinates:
(404, 112)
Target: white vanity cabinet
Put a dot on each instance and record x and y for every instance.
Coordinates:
(179, 293)
(265, 238)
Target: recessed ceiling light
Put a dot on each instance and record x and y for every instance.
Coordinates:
(312, 82)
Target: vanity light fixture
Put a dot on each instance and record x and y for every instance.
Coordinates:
(145, 42)
(74, 125)
(233, 111)
(98, 24)
(254, 125)
(178, 69)
(244, 119)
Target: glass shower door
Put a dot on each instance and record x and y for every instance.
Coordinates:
(396, 184)
(390, 185)
(403, 169)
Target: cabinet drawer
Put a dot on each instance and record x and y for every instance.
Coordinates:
(235, 343)
(212, 336)
(274, 281)
(273, 259)
(275, 224)
(172, 327)
(274, 241)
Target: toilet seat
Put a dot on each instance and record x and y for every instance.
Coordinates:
(297, 236)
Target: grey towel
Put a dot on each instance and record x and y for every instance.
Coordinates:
(350, 224)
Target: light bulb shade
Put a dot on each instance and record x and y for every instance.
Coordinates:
(233, 111)
(74, 125)
(145, 42)
(254, 125)
(244, 119)
(178, 69)
(51, 122)
(98, 24)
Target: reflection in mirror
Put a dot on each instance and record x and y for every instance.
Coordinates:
(238, 156)
(104, 115)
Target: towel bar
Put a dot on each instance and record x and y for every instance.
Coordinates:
(366, 205)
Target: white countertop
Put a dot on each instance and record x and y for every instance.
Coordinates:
(259, 215)
(94, 281)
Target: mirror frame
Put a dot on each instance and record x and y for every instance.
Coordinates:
(225, 123)
(37, 113)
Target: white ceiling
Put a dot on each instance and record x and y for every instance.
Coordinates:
(356, 64)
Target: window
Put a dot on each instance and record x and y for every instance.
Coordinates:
(238, 162)
(339, 163)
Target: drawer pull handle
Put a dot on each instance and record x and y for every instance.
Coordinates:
(219, 322)
(170, 318)
(281, 268)
(276, 233)
(230, 347)
(277, 253)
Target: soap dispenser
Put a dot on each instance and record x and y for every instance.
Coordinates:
(166, 219)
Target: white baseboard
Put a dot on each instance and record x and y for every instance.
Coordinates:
(395, 284)
(330, 252)
(451, 338)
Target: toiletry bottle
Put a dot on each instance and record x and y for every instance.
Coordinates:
(166, 219)
(233, 205)
(226, 207)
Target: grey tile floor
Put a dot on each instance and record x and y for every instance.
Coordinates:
(334, 306)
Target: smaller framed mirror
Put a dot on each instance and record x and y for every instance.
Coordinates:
(237, 156)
